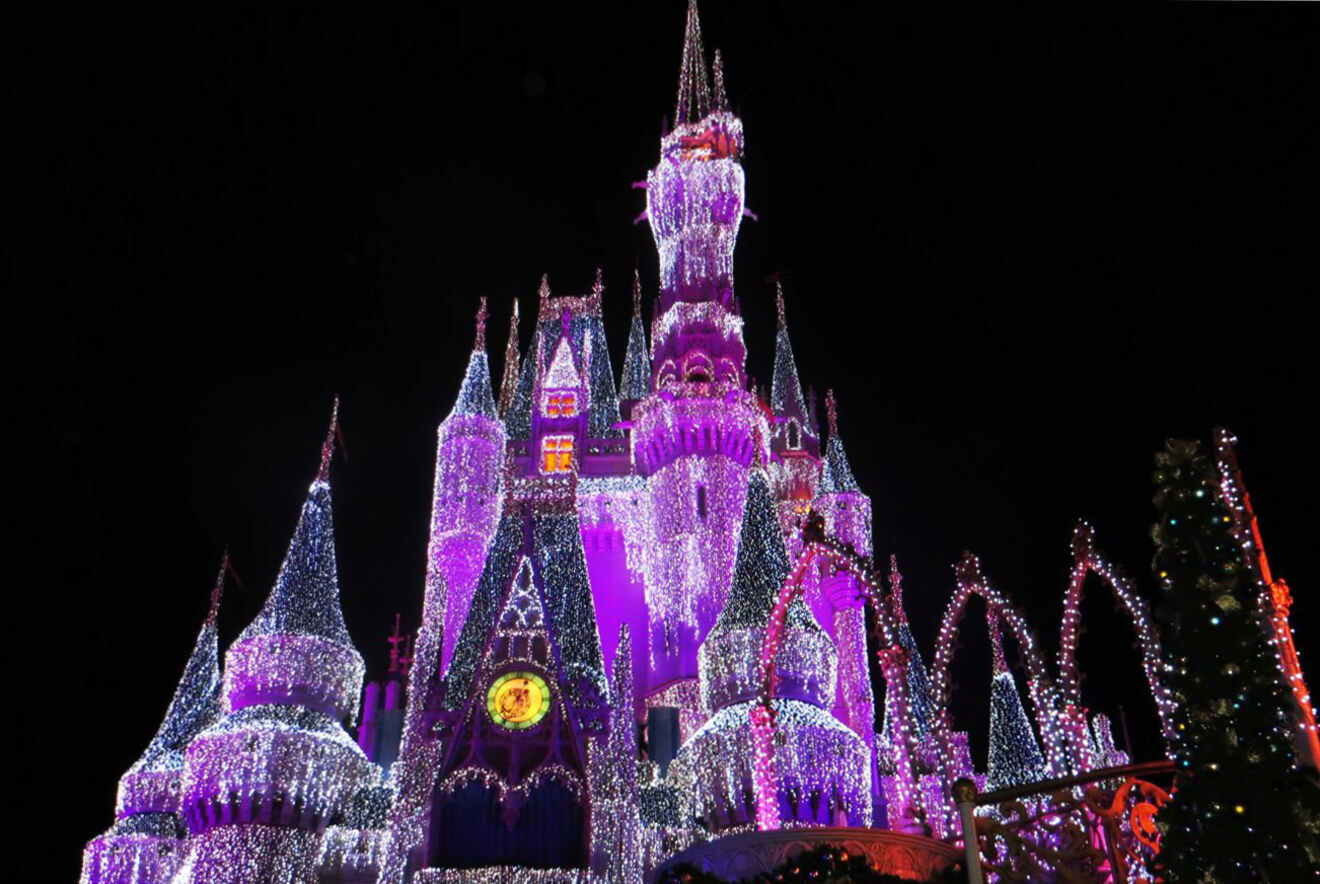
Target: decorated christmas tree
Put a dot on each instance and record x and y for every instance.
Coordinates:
(1243, 809)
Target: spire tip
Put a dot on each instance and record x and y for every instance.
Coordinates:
(480, 342)
(328, 446)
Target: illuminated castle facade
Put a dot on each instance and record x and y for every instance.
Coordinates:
(602, 567)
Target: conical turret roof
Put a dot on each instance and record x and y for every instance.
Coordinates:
(474, 396)
(785, 388)
(836, 472)
(305, 597)
(636, 382)
(760, 568)
(196, 701)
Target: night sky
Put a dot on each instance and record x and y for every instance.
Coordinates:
(1023, 248)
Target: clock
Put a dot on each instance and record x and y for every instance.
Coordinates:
(518, 700)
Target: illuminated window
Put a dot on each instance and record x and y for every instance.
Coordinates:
(560, 405)
(556, 454)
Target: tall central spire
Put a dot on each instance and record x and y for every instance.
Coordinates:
(693, 84)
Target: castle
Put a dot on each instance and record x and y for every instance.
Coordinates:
(604, 561)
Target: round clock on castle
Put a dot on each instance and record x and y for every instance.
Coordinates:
(518, 700)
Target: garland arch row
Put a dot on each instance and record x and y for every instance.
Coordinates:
(1040, 687)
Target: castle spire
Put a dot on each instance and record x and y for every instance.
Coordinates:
(509, 383)
(328, 446)
(218, 590)
(598, 285)
(836, 472)
(785, 389)
(693, 85)
(305, 597)
(195, 704)
(543, 290)
(474, 396)
(721, 98)
(636, 381)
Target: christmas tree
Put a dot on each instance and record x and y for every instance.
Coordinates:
(1242, 809)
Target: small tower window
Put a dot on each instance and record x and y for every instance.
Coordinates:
(560, 405)
(701, 501)
(794, 435)
(556, 454)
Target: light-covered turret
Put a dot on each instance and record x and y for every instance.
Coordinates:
(465, 506)
(261, 783)
(145, 845)
(836, 599)
(824, 768)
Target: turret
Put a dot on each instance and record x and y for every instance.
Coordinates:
(836, 599)
(145, 845)
(262, 782)
(824, 768)
(793, 433)
(469, 455)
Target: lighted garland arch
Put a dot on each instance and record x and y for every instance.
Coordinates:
(893, 664)
(1040, 688)
(1086, 558)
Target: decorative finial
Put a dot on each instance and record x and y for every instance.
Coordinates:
(598, 286)
(637, 292)
(218, 590)
(328, 446)
(896, 590)
(509, 384)
(832, 413)
(721, 99)
(779, 305)
(544, 289)
(693, 86)
(480, 343)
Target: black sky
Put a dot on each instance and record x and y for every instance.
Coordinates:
(1023, 247)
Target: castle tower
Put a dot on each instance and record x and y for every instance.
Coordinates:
(1015, 757)
(525, 692)
(261, 783)
(838, 601)
(469, 454)
(699, 433)
(146, 844)
(824, 768)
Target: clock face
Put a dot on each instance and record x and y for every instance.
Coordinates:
(518, 700)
